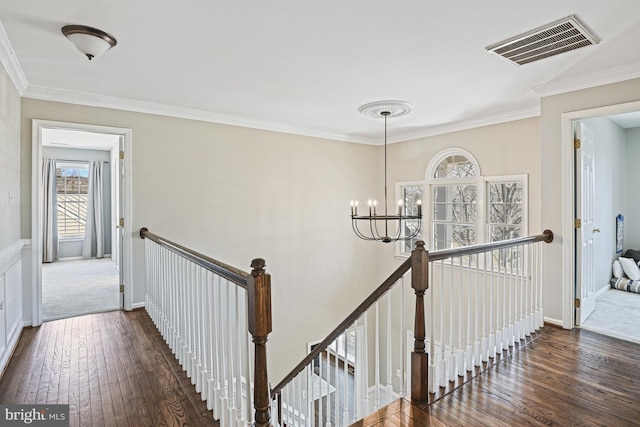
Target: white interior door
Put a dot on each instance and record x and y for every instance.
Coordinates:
(585, 189)
(119, 195)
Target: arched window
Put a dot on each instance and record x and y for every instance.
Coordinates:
(453, 178)
(463, 207)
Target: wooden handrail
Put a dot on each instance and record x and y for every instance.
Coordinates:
(259, 323)
(546, 236)
(230, 273)
(344, 325)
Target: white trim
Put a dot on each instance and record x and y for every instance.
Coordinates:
(524, 179)
(12, 343)
(10, 62)
(452, 151)
(11, 252)
(601, 291)
(552, 321)
(494, 119)
(36, 208)
(568, 197)
(137, 305)
(597, 78)
(103, 101)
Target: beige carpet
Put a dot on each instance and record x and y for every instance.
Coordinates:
(78, 287)
(617, 314)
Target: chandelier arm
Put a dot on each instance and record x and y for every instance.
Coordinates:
(354, 225)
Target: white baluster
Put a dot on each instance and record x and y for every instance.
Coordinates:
(493, 310)
(389, 389)
(486, 313)
(376, 355)
(364, 410)
(345, 412)
(460, 345)
(470, 314)
(451, 374)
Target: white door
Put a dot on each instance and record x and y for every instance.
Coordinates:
(120, 218)
(585, 189)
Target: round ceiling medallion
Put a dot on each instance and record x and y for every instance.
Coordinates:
(393, 108)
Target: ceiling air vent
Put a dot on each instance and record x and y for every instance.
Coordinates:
(558, 37)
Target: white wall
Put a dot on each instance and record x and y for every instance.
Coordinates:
(10, 198)
(558, 293)
(632, 219)
(610, 171)
(235, 194)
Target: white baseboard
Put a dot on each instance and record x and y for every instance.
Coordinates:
(12, 343)
(551, 321)
(137, 305)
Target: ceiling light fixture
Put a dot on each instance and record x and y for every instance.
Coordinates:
(403, 230)
(92, 42)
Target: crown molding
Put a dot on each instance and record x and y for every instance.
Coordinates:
(585, 81)
(103, 101)
(471, 123)
(10, 62)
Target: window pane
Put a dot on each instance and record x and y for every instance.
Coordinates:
(410, 196)
(446, 236)
(505, 210)
(72, 185)
(455, 167)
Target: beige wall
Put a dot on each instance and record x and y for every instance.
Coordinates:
(552, 109)
(235, 194)
(9, 162)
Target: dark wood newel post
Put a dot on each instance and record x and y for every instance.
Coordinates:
(259, 301)
(419, 358)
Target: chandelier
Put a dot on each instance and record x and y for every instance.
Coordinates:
(385, 227)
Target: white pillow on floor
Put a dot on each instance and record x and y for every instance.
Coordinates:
(618, 272)
(630, 268)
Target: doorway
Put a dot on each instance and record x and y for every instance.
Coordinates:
(83, 259)
(598, 186)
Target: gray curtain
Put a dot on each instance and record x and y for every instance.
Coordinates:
(49, 211)
(93, 245)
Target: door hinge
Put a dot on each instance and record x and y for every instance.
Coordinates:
(576, 303)
(121, 155)
(577, 223)
(121, 288)
(576, 143)
(121, 222)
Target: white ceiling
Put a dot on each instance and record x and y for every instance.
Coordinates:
(305, 67)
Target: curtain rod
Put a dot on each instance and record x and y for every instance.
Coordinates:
(79, 161)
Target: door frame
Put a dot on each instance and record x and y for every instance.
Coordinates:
(568, 201)
(36, 209)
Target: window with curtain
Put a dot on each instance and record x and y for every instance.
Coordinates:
(72, 185)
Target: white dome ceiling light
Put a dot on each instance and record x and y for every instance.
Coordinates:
(92, 42)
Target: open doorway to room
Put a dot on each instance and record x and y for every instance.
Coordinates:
(78, 216)
(607, 224)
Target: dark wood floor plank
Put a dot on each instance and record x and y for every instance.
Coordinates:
(113, 369)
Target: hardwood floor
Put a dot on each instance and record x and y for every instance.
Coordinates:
(113, 369)
(563, 378)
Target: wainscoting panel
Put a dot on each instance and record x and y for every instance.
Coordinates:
(10, 301)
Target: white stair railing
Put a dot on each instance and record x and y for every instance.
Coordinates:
(476, 302)
(202, 308)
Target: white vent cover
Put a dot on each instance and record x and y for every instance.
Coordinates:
(557, 37)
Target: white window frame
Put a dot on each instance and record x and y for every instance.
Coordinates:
(524, 179)
(399, 195)
(70, 164)
(482, 191)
